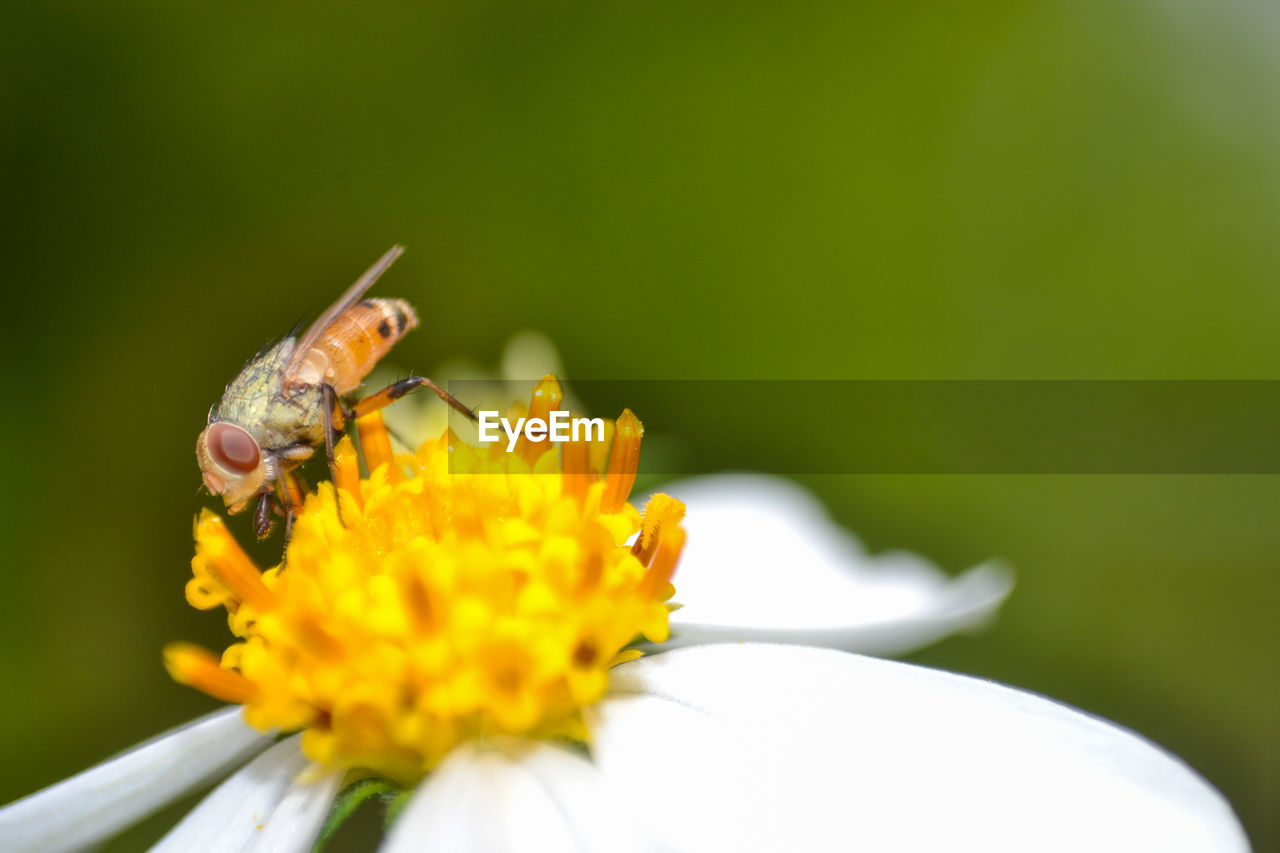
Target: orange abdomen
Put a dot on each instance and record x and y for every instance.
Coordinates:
(359, 336)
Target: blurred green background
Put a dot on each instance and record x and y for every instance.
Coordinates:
(1075, 189)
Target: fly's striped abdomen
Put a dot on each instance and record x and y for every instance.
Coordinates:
(359, 336)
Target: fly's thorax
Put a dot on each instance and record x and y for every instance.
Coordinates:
(249, 395)
(256, 401)
(295, 417)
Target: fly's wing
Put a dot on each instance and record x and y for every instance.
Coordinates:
(351, 297)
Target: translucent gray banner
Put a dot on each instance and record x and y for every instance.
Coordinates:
(930, 427)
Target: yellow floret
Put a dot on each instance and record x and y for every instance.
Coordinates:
(453, 593)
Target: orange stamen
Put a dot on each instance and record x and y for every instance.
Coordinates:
(547, 398)
(375, 442)
(599, 451)
(661, 513)
(575, 463)
(346, 468)
(624, 459)
(670, 544)
(229, 564)
(191, 665)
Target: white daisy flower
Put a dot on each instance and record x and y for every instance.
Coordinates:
(460, 622)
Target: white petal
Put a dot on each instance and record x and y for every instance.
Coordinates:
(237, 815)
(752, 747)
(513, 796)
(296, 822)
(765, 562)
(101, 801)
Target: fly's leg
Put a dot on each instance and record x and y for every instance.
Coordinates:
(397, 390)
(262, 515)
(284, 492)
(336, 418)
(291, 492)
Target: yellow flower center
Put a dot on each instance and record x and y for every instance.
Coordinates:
(453, 593)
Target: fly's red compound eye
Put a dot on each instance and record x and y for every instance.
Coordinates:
(233, 448)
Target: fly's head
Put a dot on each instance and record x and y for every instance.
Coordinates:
(232, 463)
